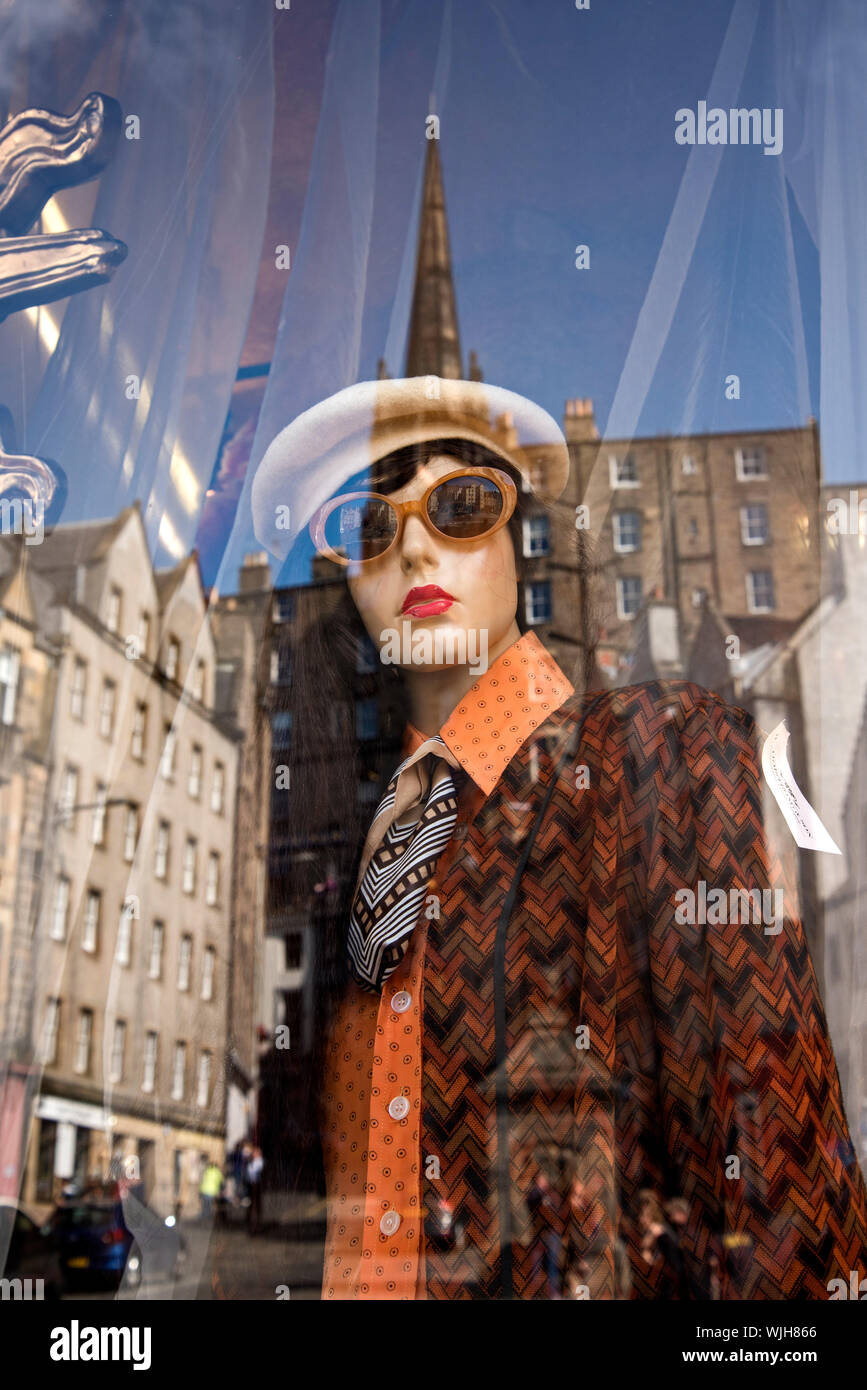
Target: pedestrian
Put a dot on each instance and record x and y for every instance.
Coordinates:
(543, 1204)
(506, 971)
(659, 1245)
(209, 1188)
(244, 1157)
(255, 1168)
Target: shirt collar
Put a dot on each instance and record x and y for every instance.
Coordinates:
(501, 710)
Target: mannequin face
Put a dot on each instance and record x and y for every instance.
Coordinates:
(470, 627)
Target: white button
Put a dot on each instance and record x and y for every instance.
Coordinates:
(389, 1223)
(401, 1001)
(398, 1108)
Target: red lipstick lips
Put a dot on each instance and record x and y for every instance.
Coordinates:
(426, 601)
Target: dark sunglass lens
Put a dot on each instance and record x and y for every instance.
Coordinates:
(361, 529)
(465, 507)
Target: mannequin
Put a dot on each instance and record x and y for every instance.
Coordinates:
(554, 1057)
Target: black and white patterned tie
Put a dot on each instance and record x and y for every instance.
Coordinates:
(412, 826)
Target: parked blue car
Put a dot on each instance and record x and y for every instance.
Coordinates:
(93, 1242)
(97, 1246)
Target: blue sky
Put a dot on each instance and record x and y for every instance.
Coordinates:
(557, 129)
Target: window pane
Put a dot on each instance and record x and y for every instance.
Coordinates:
(537, 535)
(106, 709)
(167, 764)
(627, 531)
(185, 952)
(754, 524)
(194, 783)
(213, 885)
(50, 1032)
(60, 909)
(367, 657)
(204, 1082)
(284, 607)
(68, 797)
(118, 1046)
(112, 612)
(155, 964)
(138, 731)
(366, 719)
(9, 668)
(751, 462)
(629, 596)
(179, 1071)
(760, 591)
(281, 729)
(130, 834)
(90, 932)
(150, 1062)
(77, 689)
(623, 470)
(97, 826)
(537, 601)
(82, 1041)
(161, 850)
(189, 875)
(208, 969)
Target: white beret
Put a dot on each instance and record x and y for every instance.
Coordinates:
(311, 459)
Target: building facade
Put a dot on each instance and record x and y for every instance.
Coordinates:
(132, 940)
(239, 623)
(27, 667)
(729, 518)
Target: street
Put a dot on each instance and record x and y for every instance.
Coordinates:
(225, 1262)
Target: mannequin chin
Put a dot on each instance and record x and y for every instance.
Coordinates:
(442, 640)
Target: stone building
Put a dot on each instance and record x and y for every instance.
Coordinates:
(298, 883)
(132, 940)
(239, 622)
(27, 667)
(727, 518)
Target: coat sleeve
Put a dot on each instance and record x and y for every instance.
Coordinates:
(752, 1116)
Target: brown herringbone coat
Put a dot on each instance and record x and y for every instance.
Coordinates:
(705, 1070)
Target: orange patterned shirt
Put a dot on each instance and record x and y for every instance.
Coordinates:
(373, 1080)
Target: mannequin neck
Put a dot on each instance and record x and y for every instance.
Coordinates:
(434, 695)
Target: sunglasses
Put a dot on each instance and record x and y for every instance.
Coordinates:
(463, 506)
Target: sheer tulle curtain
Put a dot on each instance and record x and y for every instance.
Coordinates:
(134, 392)
(821, 61)
(318, 345)
(731, 208)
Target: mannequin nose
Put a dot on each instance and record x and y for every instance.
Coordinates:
(417, 545)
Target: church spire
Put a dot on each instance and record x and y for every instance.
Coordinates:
(434, 342)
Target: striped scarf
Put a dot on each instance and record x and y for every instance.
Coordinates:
(412, 826)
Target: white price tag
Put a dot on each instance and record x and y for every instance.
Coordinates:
(808, 830)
